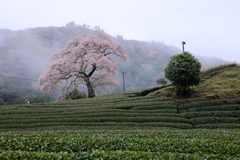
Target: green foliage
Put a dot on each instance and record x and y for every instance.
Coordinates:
(208, 113)
(121, 144)
(212, 96)
(155, 107)
(144, 92)
(75, 94)
(201, 104)
(214, 70)
(190, 100)
(161, 81)
(224, 83)
(218, 125)
(211, 120)
(183, 70)
(206, 103)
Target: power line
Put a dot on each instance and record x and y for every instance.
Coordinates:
(18, 78)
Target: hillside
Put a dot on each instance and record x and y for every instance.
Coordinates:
(24, 55)
(219, 82)
(133, 109)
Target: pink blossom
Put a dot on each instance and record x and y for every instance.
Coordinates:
(83, 60)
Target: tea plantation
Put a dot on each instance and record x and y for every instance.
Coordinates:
(130, 125)
(122, 126)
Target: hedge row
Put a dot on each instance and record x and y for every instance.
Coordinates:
(155, 107)
(190, 115)
(114, 155)
(91, 125)
(209, 103)
(96, 114)
(134, 111)
(98, 119)
(201, 104)
(230, 107)
(212, 120)
(144, 92)
(218, 125)
(190, 100)
(32, 113)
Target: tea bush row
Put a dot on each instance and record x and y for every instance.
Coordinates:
(132, 105)
(201, 104)
(209, 103)
(190, 115)
(209, 120)
(190, 100)
(83, 115)
(230, 107)
(99, 119)
(114, 155)
(92, 125)
(72, 111)
(218, 125)
(154, 107)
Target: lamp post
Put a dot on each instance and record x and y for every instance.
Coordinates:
(183, 43)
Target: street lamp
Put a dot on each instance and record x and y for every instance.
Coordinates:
(183, 43)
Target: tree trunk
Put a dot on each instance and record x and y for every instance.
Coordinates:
(91, 93)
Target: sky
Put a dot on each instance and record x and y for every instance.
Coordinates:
(209, 27)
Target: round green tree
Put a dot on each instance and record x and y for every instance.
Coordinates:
(183, 70)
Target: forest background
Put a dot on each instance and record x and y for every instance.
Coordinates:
(24, 55)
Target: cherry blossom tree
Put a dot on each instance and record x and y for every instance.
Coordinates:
(85, 61)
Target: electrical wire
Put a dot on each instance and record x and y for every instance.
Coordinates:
(18, 78)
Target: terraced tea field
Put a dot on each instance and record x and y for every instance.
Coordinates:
(121, 111)
(122, 126)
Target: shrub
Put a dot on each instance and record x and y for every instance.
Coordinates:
(190, 115)
(149, 90)
(154, 107)
(183, 70)
(218, 125)
(211, 120)
(190, 100)
(201, 104)
(216, 108)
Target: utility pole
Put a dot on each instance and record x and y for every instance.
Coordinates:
(123, 82)
(183, 43)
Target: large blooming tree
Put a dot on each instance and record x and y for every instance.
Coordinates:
(85, 61)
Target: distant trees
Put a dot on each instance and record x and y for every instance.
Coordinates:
(183, 70)
(161, 81)
(85, 61)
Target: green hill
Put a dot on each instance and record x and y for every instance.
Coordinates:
(209, 108)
